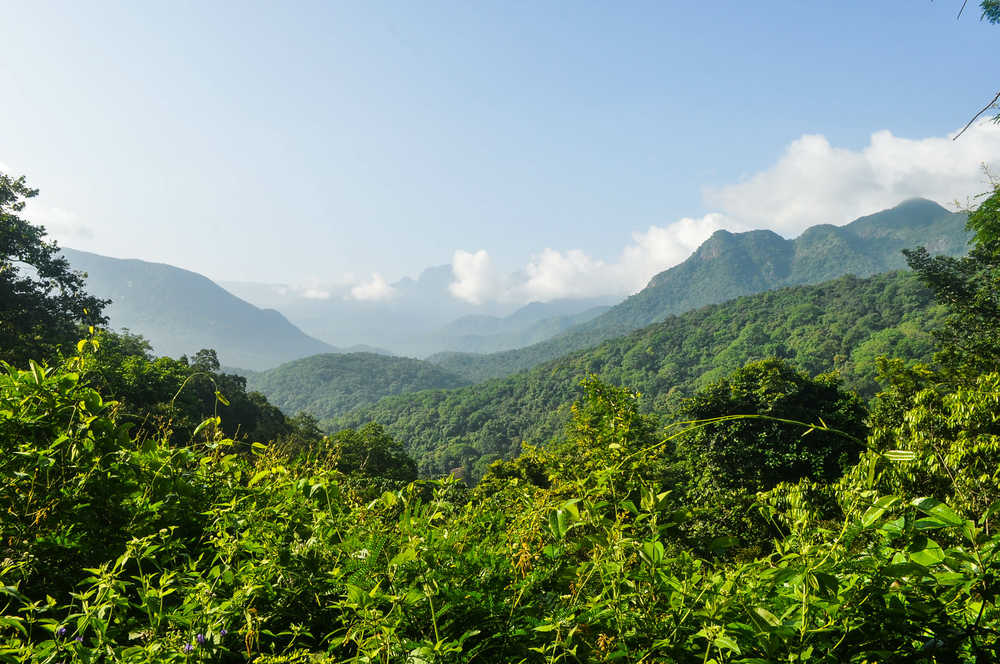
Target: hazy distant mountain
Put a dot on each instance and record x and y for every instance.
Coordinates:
(530, 324)
(729, 265)
(181, 312)
(328, 385)
(421, 317)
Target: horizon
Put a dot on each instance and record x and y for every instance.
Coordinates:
(581, 153)
(309, 291)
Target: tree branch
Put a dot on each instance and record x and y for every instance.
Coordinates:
(976, 116)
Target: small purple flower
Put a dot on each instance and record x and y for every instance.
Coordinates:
(187, 647)
(62, 631)
(200, 638)
(223, 631)
(79, 639)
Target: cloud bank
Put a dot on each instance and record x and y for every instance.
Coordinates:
(813, 182)
(375, 289)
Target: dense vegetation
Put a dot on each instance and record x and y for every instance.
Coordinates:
(329, 385)
(42, 300)
(729, 265)
(844, 325)
(789, 522)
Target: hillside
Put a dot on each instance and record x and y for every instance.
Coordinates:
(729, 265)
(180, 312)
(531, 324)
(842, 324)
(328, 385)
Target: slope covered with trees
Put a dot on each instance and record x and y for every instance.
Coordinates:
(329, 385)
(789, 522)
(840, 325)
(181, 312)
(729, 265)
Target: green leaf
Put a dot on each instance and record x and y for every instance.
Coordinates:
(768, 617)
(928, 523)
(726, 643)
(559, 523)
(206, 422)
(652, 553)
(875, 512)
(720, 544)
(222, 399)
(925, 551)
(939, 510)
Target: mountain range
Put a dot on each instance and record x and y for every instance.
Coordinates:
(421, 317)
(842, 325)
(729, 265)
(181, 312)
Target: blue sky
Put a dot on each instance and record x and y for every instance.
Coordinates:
(329, 142)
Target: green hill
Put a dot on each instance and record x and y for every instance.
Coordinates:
(842, 324)
(329, 385)
(729, 265)
(180, 312)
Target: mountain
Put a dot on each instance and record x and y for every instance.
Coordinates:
(729, 265)
(420, 316)
(530, 324)
(329, 385)
(180, 312)
(842, 324)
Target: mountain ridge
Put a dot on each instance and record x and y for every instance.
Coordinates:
(180, 312)
(729, 265)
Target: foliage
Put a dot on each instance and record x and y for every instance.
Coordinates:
(970, 336)
(329, 385)
(201, 553)
(758, 453)
(42, 301)
(372, 453)
(728, 265)
(843, 325)
(157, 393)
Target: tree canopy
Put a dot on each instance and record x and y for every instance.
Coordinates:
(43, 302)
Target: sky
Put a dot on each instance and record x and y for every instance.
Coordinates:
(543, 149)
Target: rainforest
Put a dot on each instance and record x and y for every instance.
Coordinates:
(729, 485)
(490, 333)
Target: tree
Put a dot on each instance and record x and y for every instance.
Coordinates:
(42, 301)
(969, 340)
(756, 453)
(371, 452)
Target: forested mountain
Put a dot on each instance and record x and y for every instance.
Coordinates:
(729, 265)
(842, 324)
(181, 312)
(329, 385)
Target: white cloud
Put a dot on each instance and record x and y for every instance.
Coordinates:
(315, 294)
(815, 183)
(555, 274)
(60, 224)
(376, 288)
(476, 280)
(812, 183)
